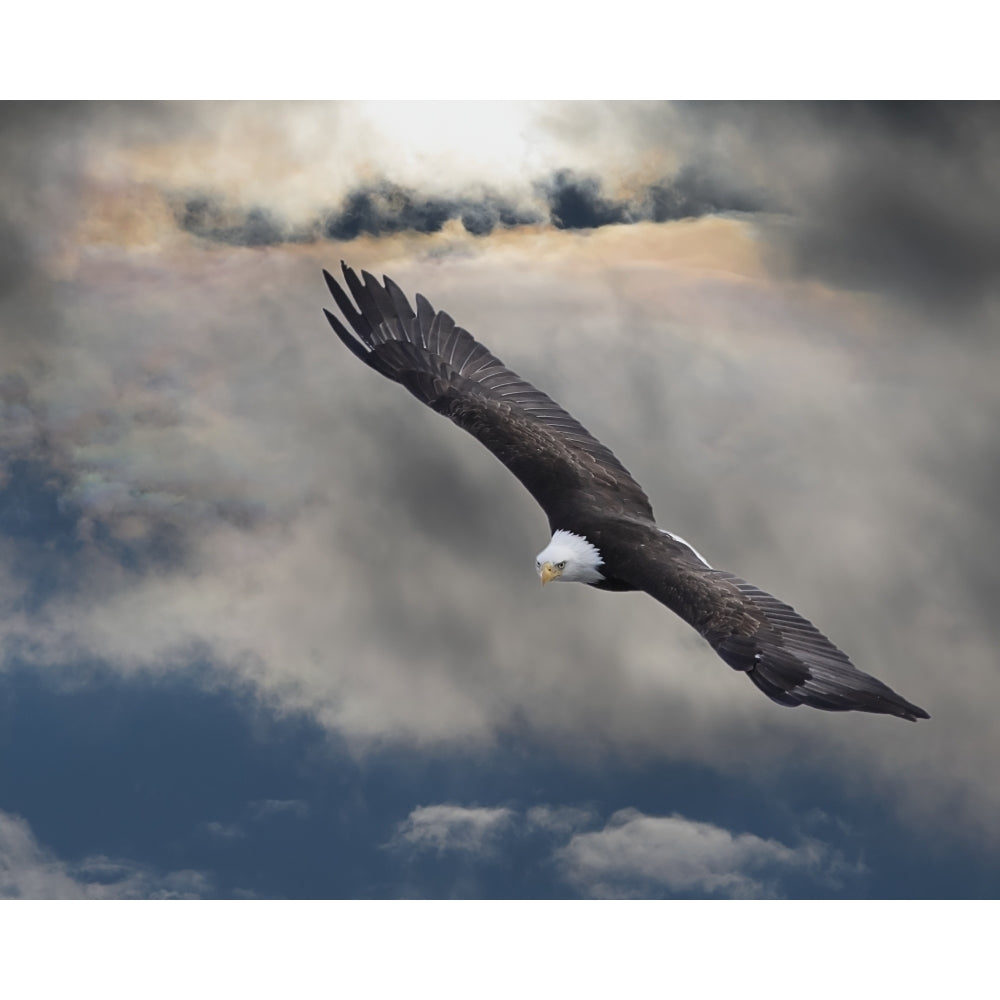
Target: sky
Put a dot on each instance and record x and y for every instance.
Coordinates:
(270, 629)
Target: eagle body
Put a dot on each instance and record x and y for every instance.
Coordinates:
(603, 530)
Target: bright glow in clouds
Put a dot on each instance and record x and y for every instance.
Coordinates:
(465, 141)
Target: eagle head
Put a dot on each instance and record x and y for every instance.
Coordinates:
(569, 557)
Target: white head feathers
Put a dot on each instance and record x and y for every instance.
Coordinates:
(569, 557)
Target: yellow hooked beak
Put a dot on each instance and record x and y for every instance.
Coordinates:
(549, 572)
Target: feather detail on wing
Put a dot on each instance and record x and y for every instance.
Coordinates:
(784, 654)
(559, 462)
(793, 663)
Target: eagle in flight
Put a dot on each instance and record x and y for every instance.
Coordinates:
(603, 531)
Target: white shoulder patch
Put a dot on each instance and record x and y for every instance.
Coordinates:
(687, 545)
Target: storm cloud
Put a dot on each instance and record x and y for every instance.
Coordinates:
(565, 200)
(896, 197)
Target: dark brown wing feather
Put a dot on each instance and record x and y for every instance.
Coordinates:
(560, 463)
(784, 654)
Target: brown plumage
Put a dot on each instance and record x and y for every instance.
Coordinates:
(585, 490)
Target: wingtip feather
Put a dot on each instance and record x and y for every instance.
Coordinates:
(331, 281)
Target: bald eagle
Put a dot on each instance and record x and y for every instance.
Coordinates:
(603, 531)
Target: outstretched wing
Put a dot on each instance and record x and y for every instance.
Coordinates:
(785, 655)
(560, 463)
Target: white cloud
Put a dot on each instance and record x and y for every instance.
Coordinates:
(452, 828)
(558, 819)
(636, 855)
(28, 870)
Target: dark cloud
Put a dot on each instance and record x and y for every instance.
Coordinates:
(577, 203)
(256, 227)
(381, 209)
(481, 217)
(566, 200)
(694, 193)
(385, 209)
(939, 123)
(917, 211)
(901, 198)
